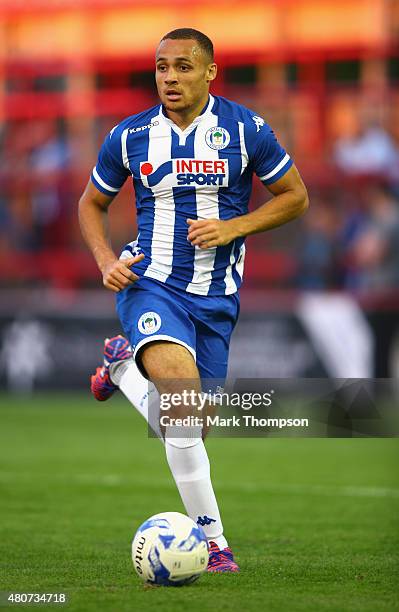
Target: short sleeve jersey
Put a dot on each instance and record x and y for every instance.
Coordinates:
(202, 172)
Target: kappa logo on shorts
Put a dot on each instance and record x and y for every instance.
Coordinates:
(217, 138)
(149, 323)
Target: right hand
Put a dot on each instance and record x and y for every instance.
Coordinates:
(117, 274)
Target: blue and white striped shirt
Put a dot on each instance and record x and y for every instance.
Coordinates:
(202, 172)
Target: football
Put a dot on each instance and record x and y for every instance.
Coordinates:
(169, 549)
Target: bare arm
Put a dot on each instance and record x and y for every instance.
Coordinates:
(93, 211)
(289, 202)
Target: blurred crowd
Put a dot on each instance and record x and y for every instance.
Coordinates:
(351, 235)
(35, 197)
(349, 239)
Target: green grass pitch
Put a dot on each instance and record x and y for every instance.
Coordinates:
(313, 522)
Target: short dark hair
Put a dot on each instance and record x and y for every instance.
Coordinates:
(203, 41)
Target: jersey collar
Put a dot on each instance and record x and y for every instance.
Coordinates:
(206, 111)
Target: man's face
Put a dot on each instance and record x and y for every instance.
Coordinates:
(183, 74)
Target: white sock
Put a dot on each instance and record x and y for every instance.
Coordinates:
(189, 464)
(139, 391)
(187, 457)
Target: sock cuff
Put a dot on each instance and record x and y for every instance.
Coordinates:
(118, 369)
(183, 437)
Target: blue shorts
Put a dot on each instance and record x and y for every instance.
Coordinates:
(151, 311)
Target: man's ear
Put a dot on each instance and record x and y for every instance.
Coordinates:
(211, 72)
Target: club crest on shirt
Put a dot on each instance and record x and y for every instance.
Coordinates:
(149, 323)
(217, 138)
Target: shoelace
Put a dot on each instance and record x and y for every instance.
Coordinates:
(220, 556)
(119, 348)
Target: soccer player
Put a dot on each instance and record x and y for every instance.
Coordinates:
(191, 159)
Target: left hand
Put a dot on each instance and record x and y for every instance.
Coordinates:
(208, 233)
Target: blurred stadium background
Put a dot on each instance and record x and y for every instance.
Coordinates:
(321, 296)
(314, 522)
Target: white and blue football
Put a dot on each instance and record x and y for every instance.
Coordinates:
(169, 549)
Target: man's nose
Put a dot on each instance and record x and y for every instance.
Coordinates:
(171, 76)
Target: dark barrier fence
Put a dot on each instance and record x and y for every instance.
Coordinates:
(55, 340)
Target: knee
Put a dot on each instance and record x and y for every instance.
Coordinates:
(168, 360)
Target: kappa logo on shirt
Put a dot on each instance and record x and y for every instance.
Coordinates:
(143, 127)
(183, 171)
(259, 122)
